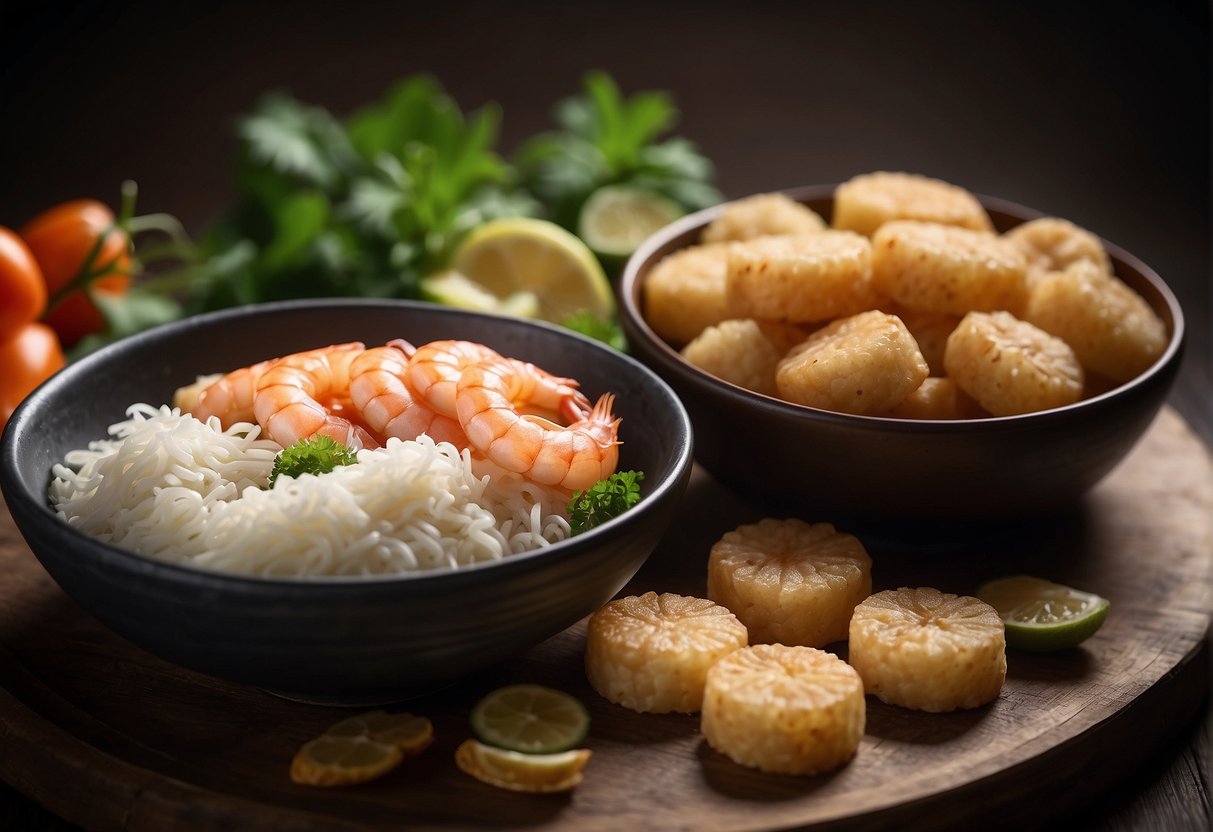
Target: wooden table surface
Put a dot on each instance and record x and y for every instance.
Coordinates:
(1103, 119)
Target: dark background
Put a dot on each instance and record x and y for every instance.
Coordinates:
(1095, 112)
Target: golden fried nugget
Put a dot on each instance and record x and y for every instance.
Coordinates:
(685, 292)
(1010, 366)
(944, 269)
(760, 216)
(788, 710)
(866, 202)
(936, 399)
(1111, 328)
(789, 581)
(928, 650)
(651, 653)
(744, 352)
(864, 364)
(1051, 244)
(802, 279)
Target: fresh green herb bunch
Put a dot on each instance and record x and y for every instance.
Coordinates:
(363, 207)
(311, 456)
(604, 500)
(606, 139)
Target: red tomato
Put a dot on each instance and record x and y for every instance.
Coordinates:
(27, 358)
(61, 239)
(22, 292)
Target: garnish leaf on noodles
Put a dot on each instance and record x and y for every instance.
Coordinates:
(311, 456)
(604, 499)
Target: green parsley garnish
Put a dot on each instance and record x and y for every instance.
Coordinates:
(604, 499)
(311, 456)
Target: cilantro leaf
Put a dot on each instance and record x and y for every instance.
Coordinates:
(604, 500)
(311, 456)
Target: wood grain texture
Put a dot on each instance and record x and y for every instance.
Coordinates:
(147, 745)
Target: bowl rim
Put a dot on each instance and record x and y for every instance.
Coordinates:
(661, 243)
(17, 490)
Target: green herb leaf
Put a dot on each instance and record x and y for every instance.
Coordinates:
(600, 329)
(604, 500)
(311, 456)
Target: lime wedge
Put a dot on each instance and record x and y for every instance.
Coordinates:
(616, 219)
(507, 256)
(450, 288)
(1040, 615)
(530, 719)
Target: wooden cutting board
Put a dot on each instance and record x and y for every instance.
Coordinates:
(111, 737)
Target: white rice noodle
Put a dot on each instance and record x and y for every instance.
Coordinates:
(174, 488)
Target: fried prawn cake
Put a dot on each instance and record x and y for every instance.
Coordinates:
(651, 653)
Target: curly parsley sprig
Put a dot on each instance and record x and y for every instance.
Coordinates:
(311, 456)
(604, 500)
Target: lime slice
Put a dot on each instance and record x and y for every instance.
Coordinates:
(616, 219)
(530, 719)
(522, 772)
(450, 288)
(1040, 615)
(518, 254)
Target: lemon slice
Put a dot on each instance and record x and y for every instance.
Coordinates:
(518, 254)
(531, 719)
(522, 772)
(450, 288)
(343, 761)
(1040, 615)
(616, 219)
(411, 734)
(360, 748)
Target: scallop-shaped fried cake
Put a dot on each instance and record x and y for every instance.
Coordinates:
(762, 215)
(789, 710)
(868, 201)
(865, 364)
(744, 352)
(651, 653)
(928, 650)
(685, 292)
(790, 581)
(1010, 366)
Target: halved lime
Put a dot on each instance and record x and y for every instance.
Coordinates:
(450, 288)
(531, 719)
(616, 219)
(1041, 615)
(506, 256)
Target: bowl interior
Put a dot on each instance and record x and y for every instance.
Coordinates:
(1004, 215)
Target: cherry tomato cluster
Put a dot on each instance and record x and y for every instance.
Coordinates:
(49, 272)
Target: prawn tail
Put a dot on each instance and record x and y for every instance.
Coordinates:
(604, 420)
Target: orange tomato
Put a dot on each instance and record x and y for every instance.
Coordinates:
(61, 240)
(27, 358)
(22, 292)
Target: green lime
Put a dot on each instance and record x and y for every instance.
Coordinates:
(530, 719)
(616, 219)
(1040, 615)
(450, 288)
(507, 256)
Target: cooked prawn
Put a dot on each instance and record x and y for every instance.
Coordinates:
(231, 397)
(491, 396)
(435, 368)
(288, 405)
(380, 392)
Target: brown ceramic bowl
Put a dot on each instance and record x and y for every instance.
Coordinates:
(832, 465)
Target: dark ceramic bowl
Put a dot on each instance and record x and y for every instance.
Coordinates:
(825, 465)
(351, 639)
